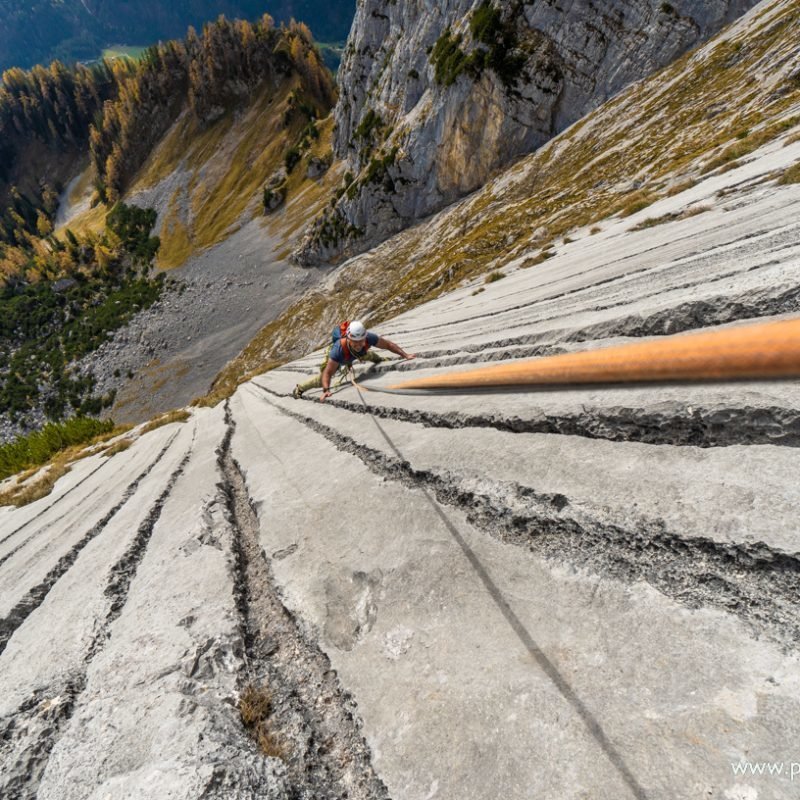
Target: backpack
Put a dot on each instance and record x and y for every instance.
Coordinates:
(340, 335)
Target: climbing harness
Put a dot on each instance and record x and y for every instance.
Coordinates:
(343, 373)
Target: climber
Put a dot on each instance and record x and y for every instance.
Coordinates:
(351, 341)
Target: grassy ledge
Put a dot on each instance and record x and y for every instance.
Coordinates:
(43, 457)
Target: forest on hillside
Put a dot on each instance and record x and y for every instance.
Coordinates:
(63, 293)
(47, 325)
(41, 31)
(117, 112)
(45, 117)
(212, 71)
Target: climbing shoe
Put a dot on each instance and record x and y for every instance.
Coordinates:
(298, 392)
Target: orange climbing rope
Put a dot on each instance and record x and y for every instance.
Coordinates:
(762, 351)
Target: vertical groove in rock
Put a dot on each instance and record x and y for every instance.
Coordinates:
(313, 722)
(28, 736)
(35, 596)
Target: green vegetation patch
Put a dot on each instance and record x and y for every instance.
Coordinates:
(332, 228)
(298, 109)
(496, 47)
(273, 197)
(35, 449)
(292, 158)
(371, 124)
(502, 48)
(47, 324)
(42, 331)
(378, 169)
(449, 60)
(133, 225)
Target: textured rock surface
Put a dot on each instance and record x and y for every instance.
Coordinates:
(414, 144)
(552, 594)
(135, 613)
(559, 594)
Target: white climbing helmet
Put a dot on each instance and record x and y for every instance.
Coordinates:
(356, 331)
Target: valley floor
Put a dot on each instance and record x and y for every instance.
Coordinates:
(179, 346)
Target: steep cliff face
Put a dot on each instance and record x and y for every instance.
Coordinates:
(437, 96)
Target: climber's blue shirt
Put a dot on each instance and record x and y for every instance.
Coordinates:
(337, 354)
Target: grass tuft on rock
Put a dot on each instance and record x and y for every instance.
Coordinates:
(652, 222)
(255, 707)
(118, 447)
(791, 175)
(636, 202)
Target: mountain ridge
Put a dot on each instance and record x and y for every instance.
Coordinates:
(434, 103)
